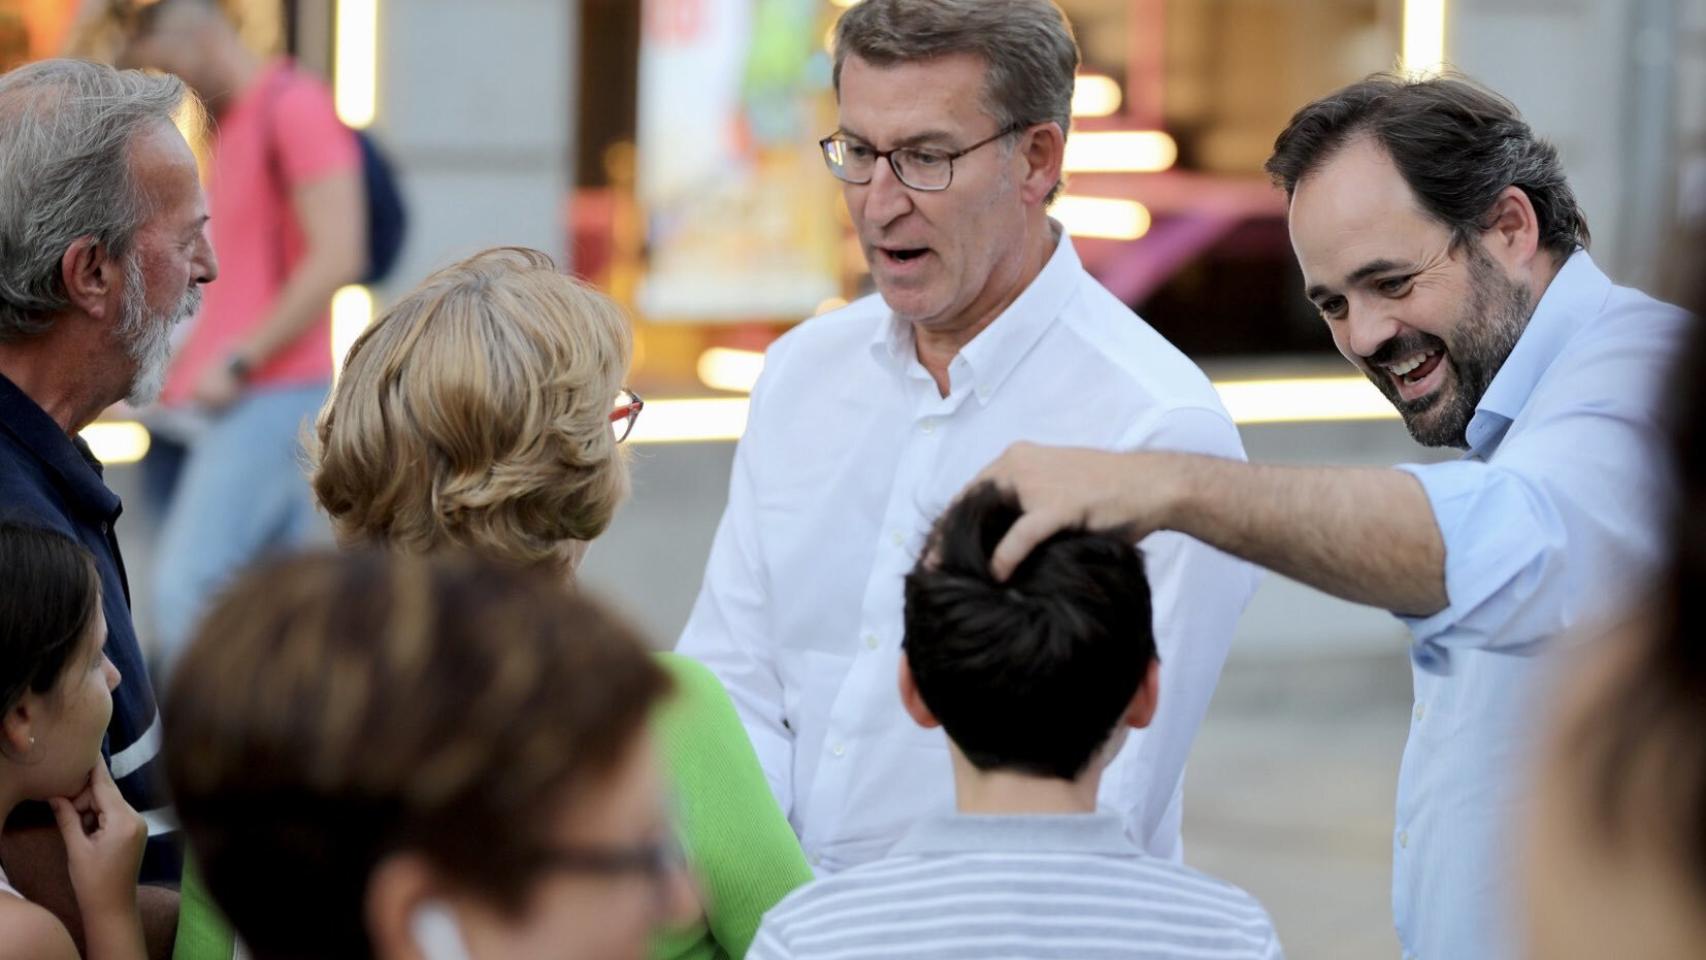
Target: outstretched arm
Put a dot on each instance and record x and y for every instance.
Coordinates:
(1367, 535)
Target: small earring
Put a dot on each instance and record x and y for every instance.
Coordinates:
(32, 743)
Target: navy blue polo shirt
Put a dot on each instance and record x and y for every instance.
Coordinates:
(52, 480)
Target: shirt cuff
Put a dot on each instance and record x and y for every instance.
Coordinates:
(1484, 550)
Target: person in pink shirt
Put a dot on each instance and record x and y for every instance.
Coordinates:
(289, 224)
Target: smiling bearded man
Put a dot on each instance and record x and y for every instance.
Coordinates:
(1485, 332)
(1446, 253)
(985, 329)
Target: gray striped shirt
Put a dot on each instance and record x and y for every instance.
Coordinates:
(1071, 887)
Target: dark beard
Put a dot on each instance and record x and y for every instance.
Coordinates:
(1486, 331)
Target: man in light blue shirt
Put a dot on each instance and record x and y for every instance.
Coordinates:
(1443, 247)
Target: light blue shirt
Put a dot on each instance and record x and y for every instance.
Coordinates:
(1037, 886)
(1549, 521)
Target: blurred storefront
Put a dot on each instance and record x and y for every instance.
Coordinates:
(665, 149)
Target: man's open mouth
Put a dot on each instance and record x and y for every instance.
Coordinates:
(904, 254)
(1415, 367)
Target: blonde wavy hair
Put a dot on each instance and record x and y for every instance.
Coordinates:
(475, 413)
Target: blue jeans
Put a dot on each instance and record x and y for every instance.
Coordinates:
(242, 494)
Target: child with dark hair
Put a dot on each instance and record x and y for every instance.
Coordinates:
(56, 687)
(1035, 681)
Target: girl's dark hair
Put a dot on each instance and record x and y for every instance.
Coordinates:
(49, 590)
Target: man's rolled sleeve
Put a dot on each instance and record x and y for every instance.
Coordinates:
(1506, 544)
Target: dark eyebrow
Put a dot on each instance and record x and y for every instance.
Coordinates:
(1369, 269)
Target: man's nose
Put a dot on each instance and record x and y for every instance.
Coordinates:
(887, 199)
(1370, 328)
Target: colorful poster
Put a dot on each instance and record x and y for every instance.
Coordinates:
(740, 214)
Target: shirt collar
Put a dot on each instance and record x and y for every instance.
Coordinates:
(1575, 295)
(67, 458)
(993, 354)
(1092, 833)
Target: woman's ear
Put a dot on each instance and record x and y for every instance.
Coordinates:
(400, 887)
(19, 728)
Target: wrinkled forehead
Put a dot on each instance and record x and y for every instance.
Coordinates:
(1354, 208)
(886, 104)
(164, 170)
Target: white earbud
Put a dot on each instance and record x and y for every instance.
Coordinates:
(436, 934)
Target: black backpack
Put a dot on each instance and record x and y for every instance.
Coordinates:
(387, 214)
(387, 217)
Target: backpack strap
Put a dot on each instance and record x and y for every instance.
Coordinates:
(275, 167)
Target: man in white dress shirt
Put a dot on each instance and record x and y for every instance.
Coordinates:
(986, 330)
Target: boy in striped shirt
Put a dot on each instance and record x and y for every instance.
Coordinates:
(1035, 682)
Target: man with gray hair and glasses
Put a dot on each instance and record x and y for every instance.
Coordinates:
(985, 330)
(103, 249)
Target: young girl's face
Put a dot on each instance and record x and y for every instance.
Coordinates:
(75, 716)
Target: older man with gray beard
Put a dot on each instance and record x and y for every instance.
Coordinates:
(103, 247)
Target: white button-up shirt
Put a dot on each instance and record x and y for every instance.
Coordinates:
(849, 456)
(1554, 515)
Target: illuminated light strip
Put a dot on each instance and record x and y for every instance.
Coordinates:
(352, 311)
(721, 368)
(1121, 151)
(722, 420)
(355, 77)
(1101, 218)
(1424, 37)
(845, 3)
(1304, 400)
(1096, 96)
(1255, 401)
(116, 441)
(691, 421)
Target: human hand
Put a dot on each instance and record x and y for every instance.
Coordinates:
(1065, 487)
(217, 388)
(104, 841)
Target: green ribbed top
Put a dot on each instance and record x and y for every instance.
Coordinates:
(740, 846)
(741, 850)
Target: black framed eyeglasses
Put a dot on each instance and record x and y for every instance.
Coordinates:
(854, 161)
(628, 407)
(659, 862)
(656, 859)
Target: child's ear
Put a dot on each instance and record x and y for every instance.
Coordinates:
(912, 701)
(1141, 711)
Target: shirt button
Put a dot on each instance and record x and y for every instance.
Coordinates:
(871, 640)
(983, 393)
(1420, 710)
(928, 426)
(899, 540)
(817, 861)
(1403, 836)
(838, 749)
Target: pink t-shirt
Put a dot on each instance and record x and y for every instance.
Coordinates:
(281, 133)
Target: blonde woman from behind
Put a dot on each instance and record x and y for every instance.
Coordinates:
(485, 412)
